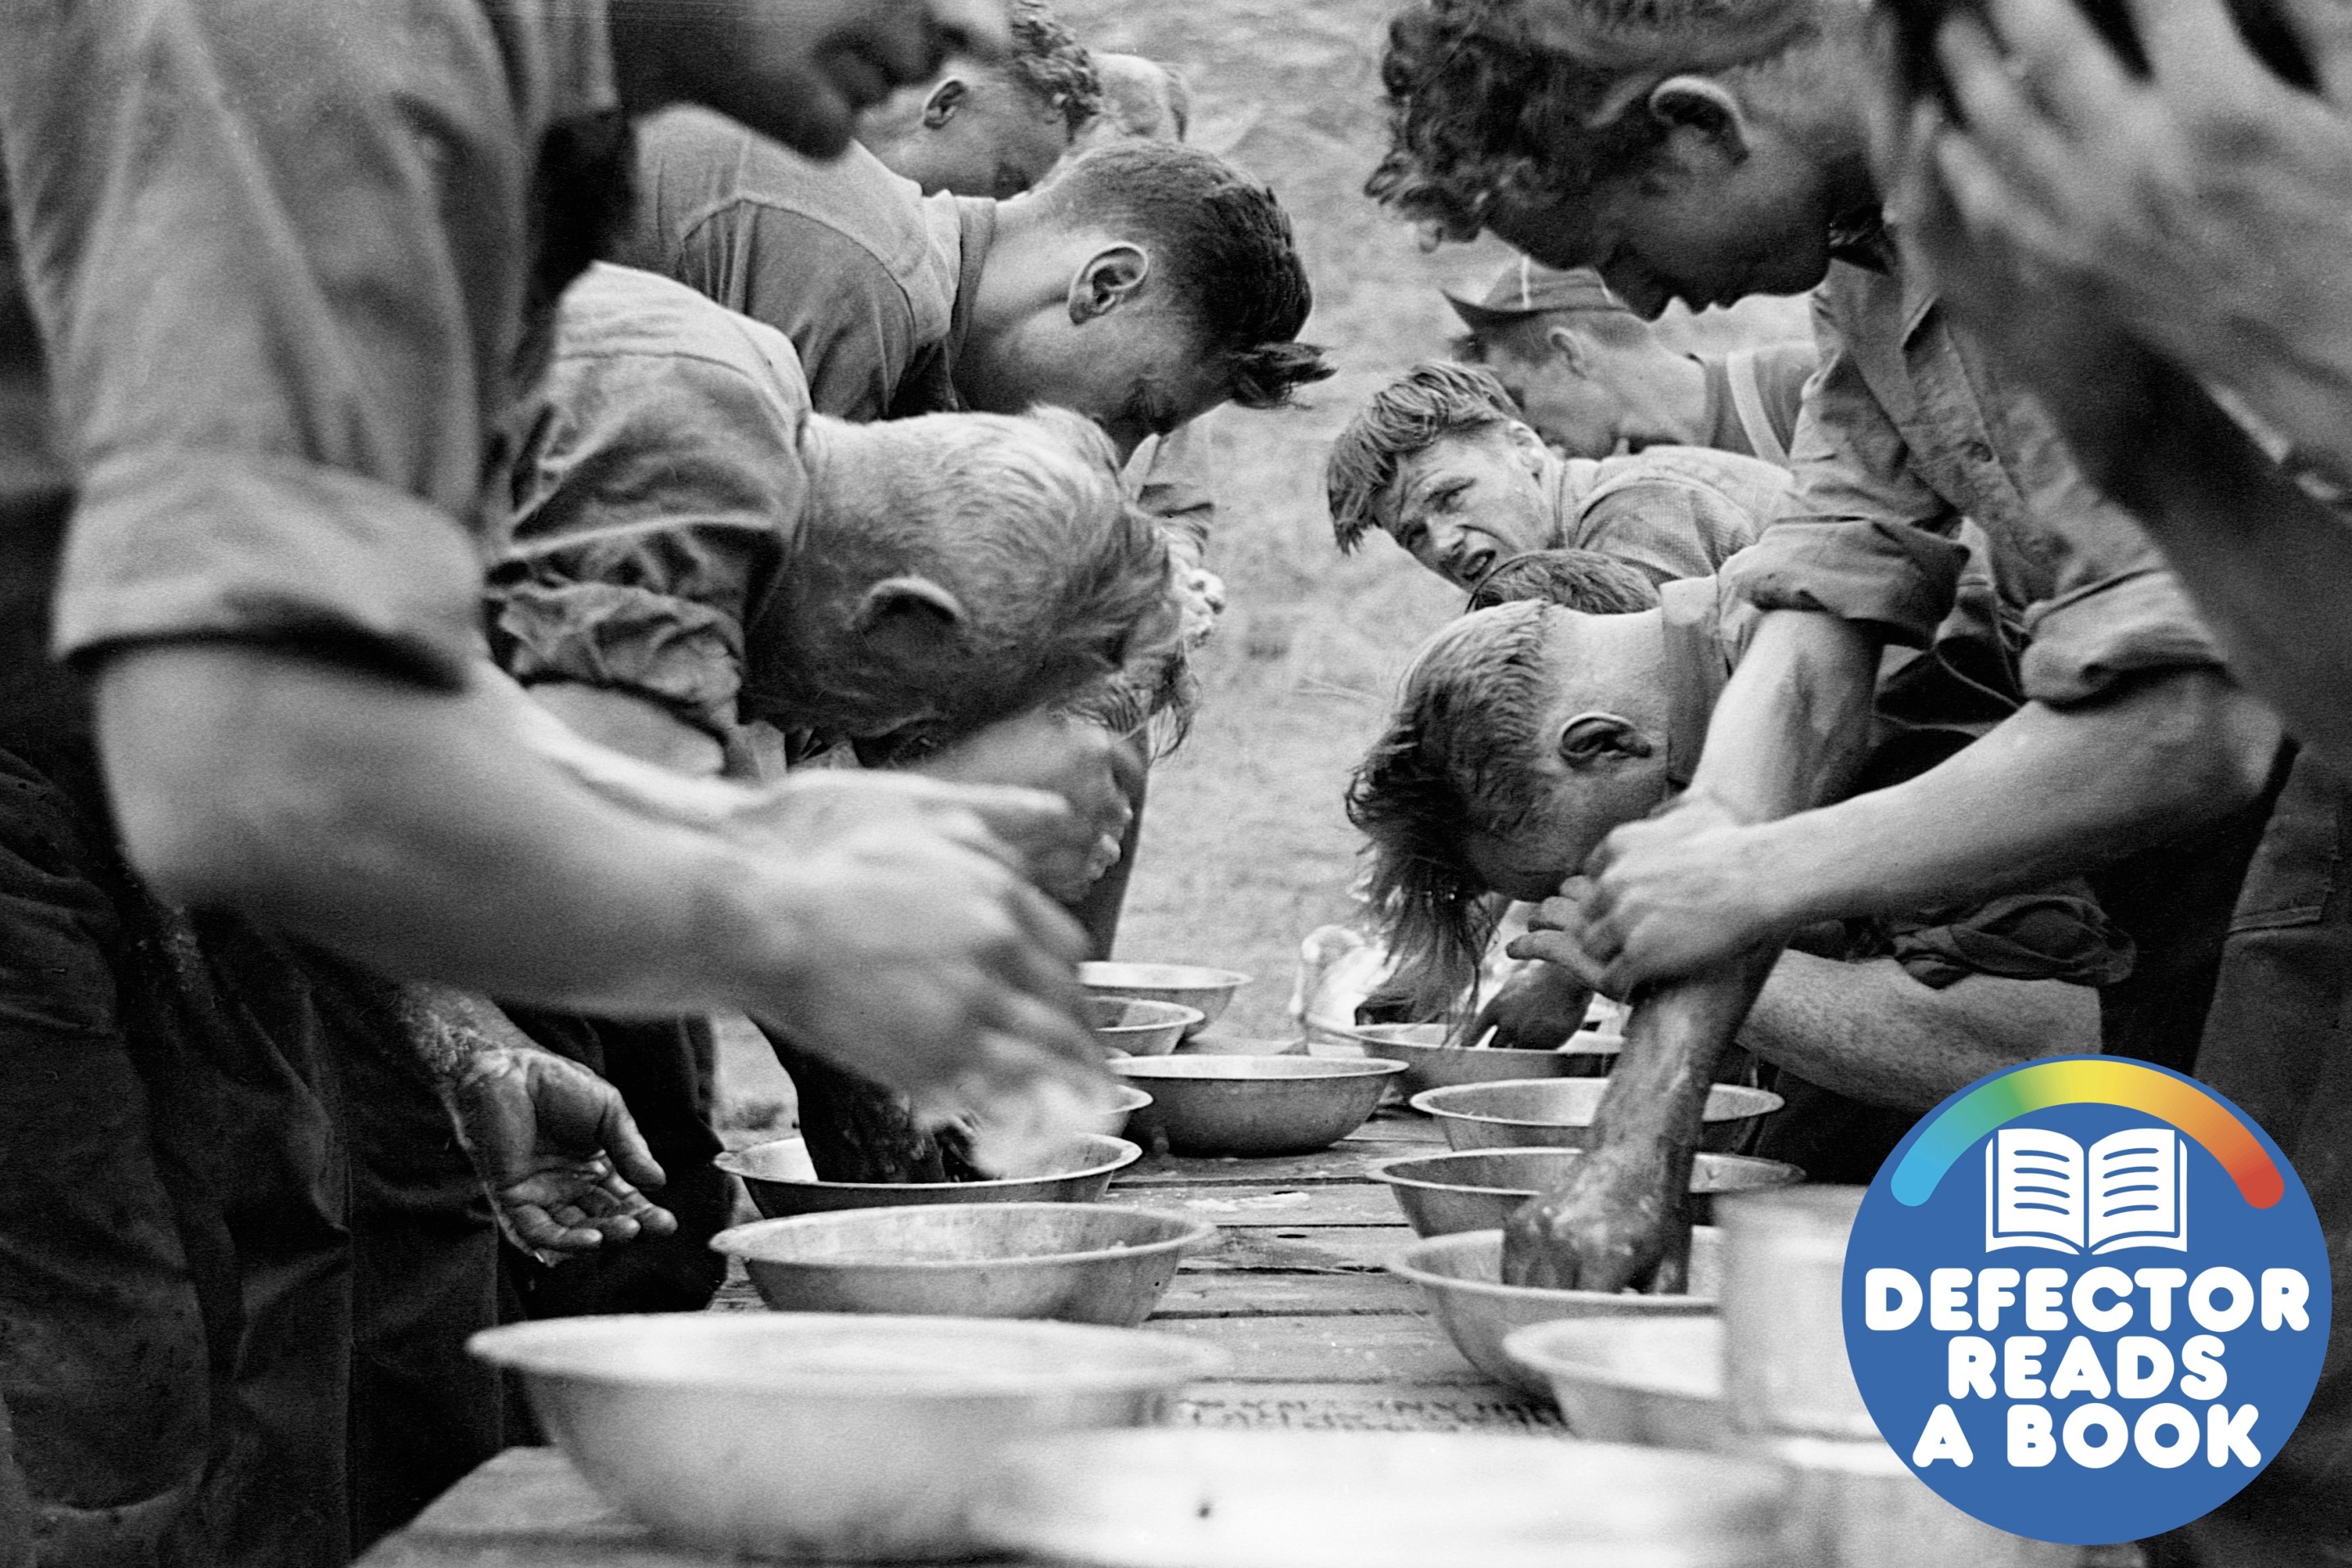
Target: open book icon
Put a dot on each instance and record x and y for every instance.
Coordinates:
(2043, 1189)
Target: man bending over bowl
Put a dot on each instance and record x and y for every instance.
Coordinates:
(694, 550)
(1526, 731)
(1442, 461)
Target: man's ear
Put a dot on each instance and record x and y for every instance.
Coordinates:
(1109, 280)
(909, 617)
(1706, 106)
(1571, 348)
(1528, 443)
(1592, 739)
(941, 105)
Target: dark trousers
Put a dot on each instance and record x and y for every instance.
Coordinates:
(2275, 1043)
(235, 1263)
(666, 1072)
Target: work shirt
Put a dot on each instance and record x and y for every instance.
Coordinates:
(656, 503)
(1906, 429)
(1753, 398)
(275, 251)
(872, 280)
(1670, 512)
(855, 265)
(279, 257)
(658, 508)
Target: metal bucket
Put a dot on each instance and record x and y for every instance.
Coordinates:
(1785, 1369)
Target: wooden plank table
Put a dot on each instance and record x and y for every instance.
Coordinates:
(1320, 1335)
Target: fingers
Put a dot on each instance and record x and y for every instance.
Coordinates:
(1566, 950)
(633, 1159)
(2191, 44)
(2324, 29)
(2073, 74)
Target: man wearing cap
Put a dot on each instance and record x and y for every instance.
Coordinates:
(2134, 757)
(1594, 378)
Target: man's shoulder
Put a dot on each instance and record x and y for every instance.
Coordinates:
(697, 167)
(621, 313)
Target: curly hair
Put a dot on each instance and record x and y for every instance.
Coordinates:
(1433, 400)
(1477, 110)
(1051, 65)
(1226, 246)
(1583, 580)
(1453, 761)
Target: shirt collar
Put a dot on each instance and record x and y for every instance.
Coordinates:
(976, 234)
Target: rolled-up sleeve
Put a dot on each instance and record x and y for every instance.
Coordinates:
(653, 500)
(1862, 537)
(278, 251)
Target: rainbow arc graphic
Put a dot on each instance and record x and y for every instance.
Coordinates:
(2088, 1080)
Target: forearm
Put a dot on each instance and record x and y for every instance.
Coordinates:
(2047, 794)
(1871, 1033)
(1790, 727)
(463, 837)
(2265, 562)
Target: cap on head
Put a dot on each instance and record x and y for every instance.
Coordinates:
(1526, 289)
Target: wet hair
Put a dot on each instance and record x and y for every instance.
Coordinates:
(1433, 401)
(1583, 580)
(1477, 111)
(1226, 249)
(1023, 518)
(1452, 761)
(1050, 64)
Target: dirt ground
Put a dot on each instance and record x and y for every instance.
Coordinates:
(1245, 848)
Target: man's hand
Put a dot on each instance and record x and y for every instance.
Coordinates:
(559, 1152)
(2201, 213)
(1094, 771)
(1616, 1224)
(1538, 1008)
(908, 956)
(1681, 893)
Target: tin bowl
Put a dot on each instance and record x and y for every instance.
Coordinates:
(783, 1183)
(1477, 1189)
(813, 1435)
(1254, 1106)
(1557, 1114)
(1461, 1280)
(1078, 1263)
(1208, 992)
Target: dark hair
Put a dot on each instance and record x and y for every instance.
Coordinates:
(1453, 761)
(1050, 65)
(1227, 246)
(1583, 580)
(1433, 400)
(1478, 111)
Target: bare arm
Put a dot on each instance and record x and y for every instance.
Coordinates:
(2048, 794)
(1790, 729)
(467, 837)
(1871, 1033)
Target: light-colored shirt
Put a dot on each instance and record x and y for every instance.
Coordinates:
(852, 263)
(1754, 396)
(280, 256)
(1670, 512)
(1906, 428)
(656, 503)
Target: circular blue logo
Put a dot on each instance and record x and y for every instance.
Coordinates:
(2086, 1299)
